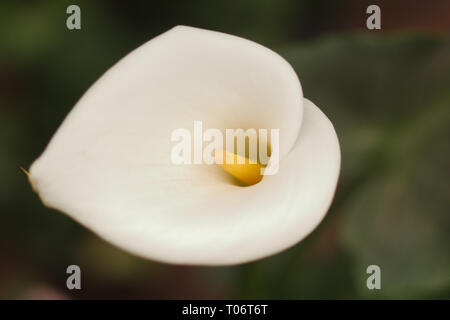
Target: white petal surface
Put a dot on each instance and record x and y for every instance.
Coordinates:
(108, 166)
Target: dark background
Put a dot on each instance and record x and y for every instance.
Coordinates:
(387, 92)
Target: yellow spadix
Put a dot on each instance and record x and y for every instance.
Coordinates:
(240, 167)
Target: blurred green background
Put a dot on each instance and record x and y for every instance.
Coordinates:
(387, 93)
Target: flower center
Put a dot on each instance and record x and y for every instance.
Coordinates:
(246, 172)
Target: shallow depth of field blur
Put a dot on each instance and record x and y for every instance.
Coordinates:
(387, 93)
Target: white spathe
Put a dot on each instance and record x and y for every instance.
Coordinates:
(108, 165)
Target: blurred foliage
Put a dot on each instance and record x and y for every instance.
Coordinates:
(388, 97)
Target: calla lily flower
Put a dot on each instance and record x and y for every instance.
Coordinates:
(109, 165)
